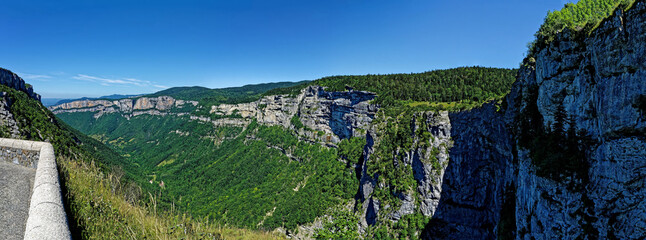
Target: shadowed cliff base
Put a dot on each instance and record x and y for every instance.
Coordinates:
(474, 178)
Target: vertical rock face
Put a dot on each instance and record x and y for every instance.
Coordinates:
(429, 180)
(463, 191)
(341, 113)
(83, 104)
(479, 168)
(12, 80)
(428, 159)
(601, 83)
(160, 103)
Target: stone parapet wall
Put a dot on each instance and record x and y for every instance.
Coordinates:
(26, 158)
(47, 219)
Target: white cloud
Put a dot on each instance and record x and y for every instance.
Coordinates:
(29, 76)
(161, 86)
(111, 81)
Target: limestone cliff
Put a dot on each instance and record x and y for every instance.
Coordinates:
(12, 80)
(327, 117)
(9, 126)
(336, 115)
(479, 170)
(428, 158)
(128, 107)
(600, 83)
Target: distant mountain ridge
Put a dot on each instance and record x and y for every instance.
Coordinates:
(109, 97)
(230, 95)
(198, 93)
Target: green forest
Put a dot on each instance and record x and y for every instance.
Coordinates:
(208, 171)
(467, 84)
(455, 88)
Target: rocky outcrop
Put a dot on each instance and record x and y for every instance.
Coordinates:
(461, 173)
(159, 103)
(599, 81)
(461, 170)
(429, 179)
(128, 107)
(345, 114)
(427, 157)
(12, 80)
(336, 115)
(7, 122)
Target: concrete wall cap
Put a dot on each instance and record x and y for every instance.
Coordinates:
(5, 142)
(26, 145)
(53, 231)
(37, 145)
(46, 176)
(45, 193)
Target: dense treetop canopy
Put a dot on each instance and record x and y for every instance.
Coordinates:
(463, 84)
(450, 85)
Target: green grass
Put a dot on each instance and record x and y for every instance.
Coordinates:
(101, 212)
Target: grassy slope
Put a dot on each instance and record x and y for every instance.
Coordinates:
(101, 212)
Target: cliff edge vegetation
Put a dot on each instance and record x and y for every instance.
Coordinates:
(582, 18)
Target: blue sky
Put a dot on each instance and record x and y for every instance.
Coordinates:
(93, 48)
